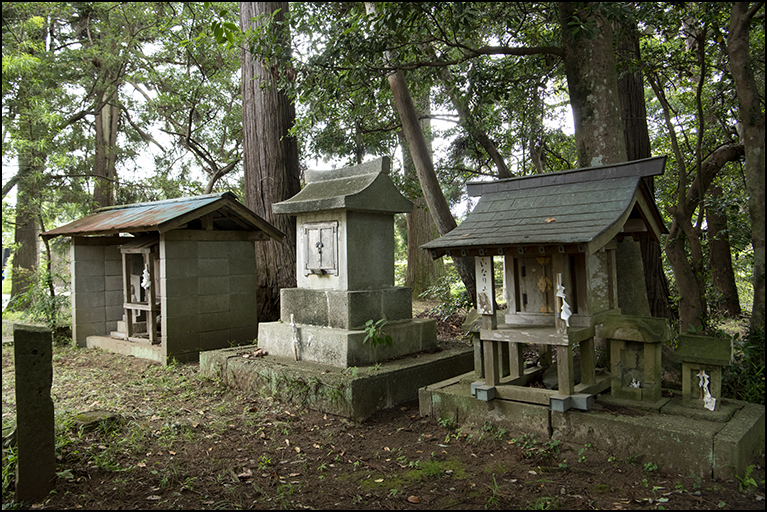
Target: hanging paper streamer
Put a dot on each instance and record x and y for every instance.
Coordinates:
(709, 402)
(296, 346)
(565, 313)
(635, 384)
(145, 277)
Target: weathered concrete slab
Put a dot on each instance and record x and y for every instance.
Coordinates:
(351, 392)
(670, 433)
(452, 399)
(742, 439)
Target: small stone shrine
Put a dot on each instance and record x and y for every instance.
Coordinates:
(558, 235)
(345, 273)
(166, 279)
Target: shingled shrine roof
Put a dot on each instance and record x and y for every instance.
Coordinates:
(227, 214)
(585, 207)
(365, 187)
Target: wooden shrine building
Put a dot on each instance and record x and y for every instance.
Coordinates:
(557, 234)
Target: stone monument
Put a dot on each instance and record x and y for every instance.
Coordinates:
(345, 273)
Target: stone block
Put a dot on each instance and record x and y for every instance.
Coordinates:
(113, 283)
(180, 287)
(212, 322)
(111, 315)
(243, 284)
(212, 340)
(362, 306)
(398, 303)
(704, 350)
(35, 438)
(113, 298)
(740, 442)
(560, 403)
(89, 284)
(84, 300)
(212, 285)
(181, 268)
(242, 251)
(212, 250)
(179, 325)
(484, 393)
(212, 267)
(173, 250)
(89, 253)
(243, 318)
(309, 307)
(242, 267)
(90, 315)
(243, 302)
(81, 331)
(676, 445)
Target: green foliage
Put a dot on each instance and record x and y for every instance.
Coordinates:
(744, 379)
(450, 292)
(746, 481)
(374, 333)
(40, 303)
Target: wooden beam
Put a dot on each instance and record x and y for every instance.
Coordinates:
(542, 336)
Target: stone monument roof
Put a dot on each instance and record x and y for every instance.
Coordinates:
(365, 187)
(582, 206)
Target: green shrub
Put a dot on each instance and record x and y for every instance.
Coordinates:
(744, 379)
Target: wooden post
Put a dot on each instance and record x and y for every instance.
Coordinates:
(565, 370)
(516, 360)
(486, 308)
(127, 297)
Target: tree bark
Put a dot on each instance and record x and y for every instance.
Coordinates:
(752, 117)
(270, 163)
(720, 259)
(593, 86)
(422, 271)
(636, 137)
(104, 168)
(25, 258)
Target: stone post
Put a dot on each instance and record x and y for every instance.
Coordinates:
(36, 466)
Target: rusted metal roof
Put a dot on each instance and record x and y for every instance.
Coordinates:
(583, 206)
(226, 213)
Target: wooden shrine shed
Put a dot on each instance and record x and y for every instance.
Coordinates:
(166, 279)
(558, 234)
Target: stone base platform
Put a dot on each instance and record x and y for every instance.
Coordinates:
(679, 435)
(128, 348)
(355, 392)
(343, 348)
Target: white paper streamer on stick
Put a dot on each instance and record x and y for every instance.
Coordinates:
(565, 313)
(145, 277)
(709, 402)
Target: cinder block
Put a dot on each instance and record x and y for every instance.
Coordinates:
(242, 251)
(179, 306)
(212, 322)
(90, 315)
(213, 303)
(241, 318)
(245, 284)
(180, 287)
(212, 285)
(242, 267)
(89, 253)
(172, 250)
(113, 283)
(180, 325)
(243, 302)
(475, 385)
(180, 268)
(212, 267)
(243, 335)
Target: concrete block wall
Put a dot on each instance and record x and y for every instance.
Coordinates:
(96, 291)
(209, 299)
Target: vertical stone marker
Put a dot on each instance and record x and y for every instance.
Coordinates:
(36, 466)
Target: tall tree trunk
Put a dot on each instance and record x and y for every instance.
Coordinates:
(636, 137)
(26, 257)
(752, 116)
(104, 168)
(720, 258)
(593, 86)
(270, 163)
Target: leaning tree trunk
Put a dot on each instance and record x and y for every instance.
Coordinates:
(432, 192)
(752, 116)
(720, 258)
(422, 271)
(270, 163)
(593, 86)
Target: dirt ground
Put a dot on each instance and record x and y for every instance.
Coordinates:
(185, 441)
